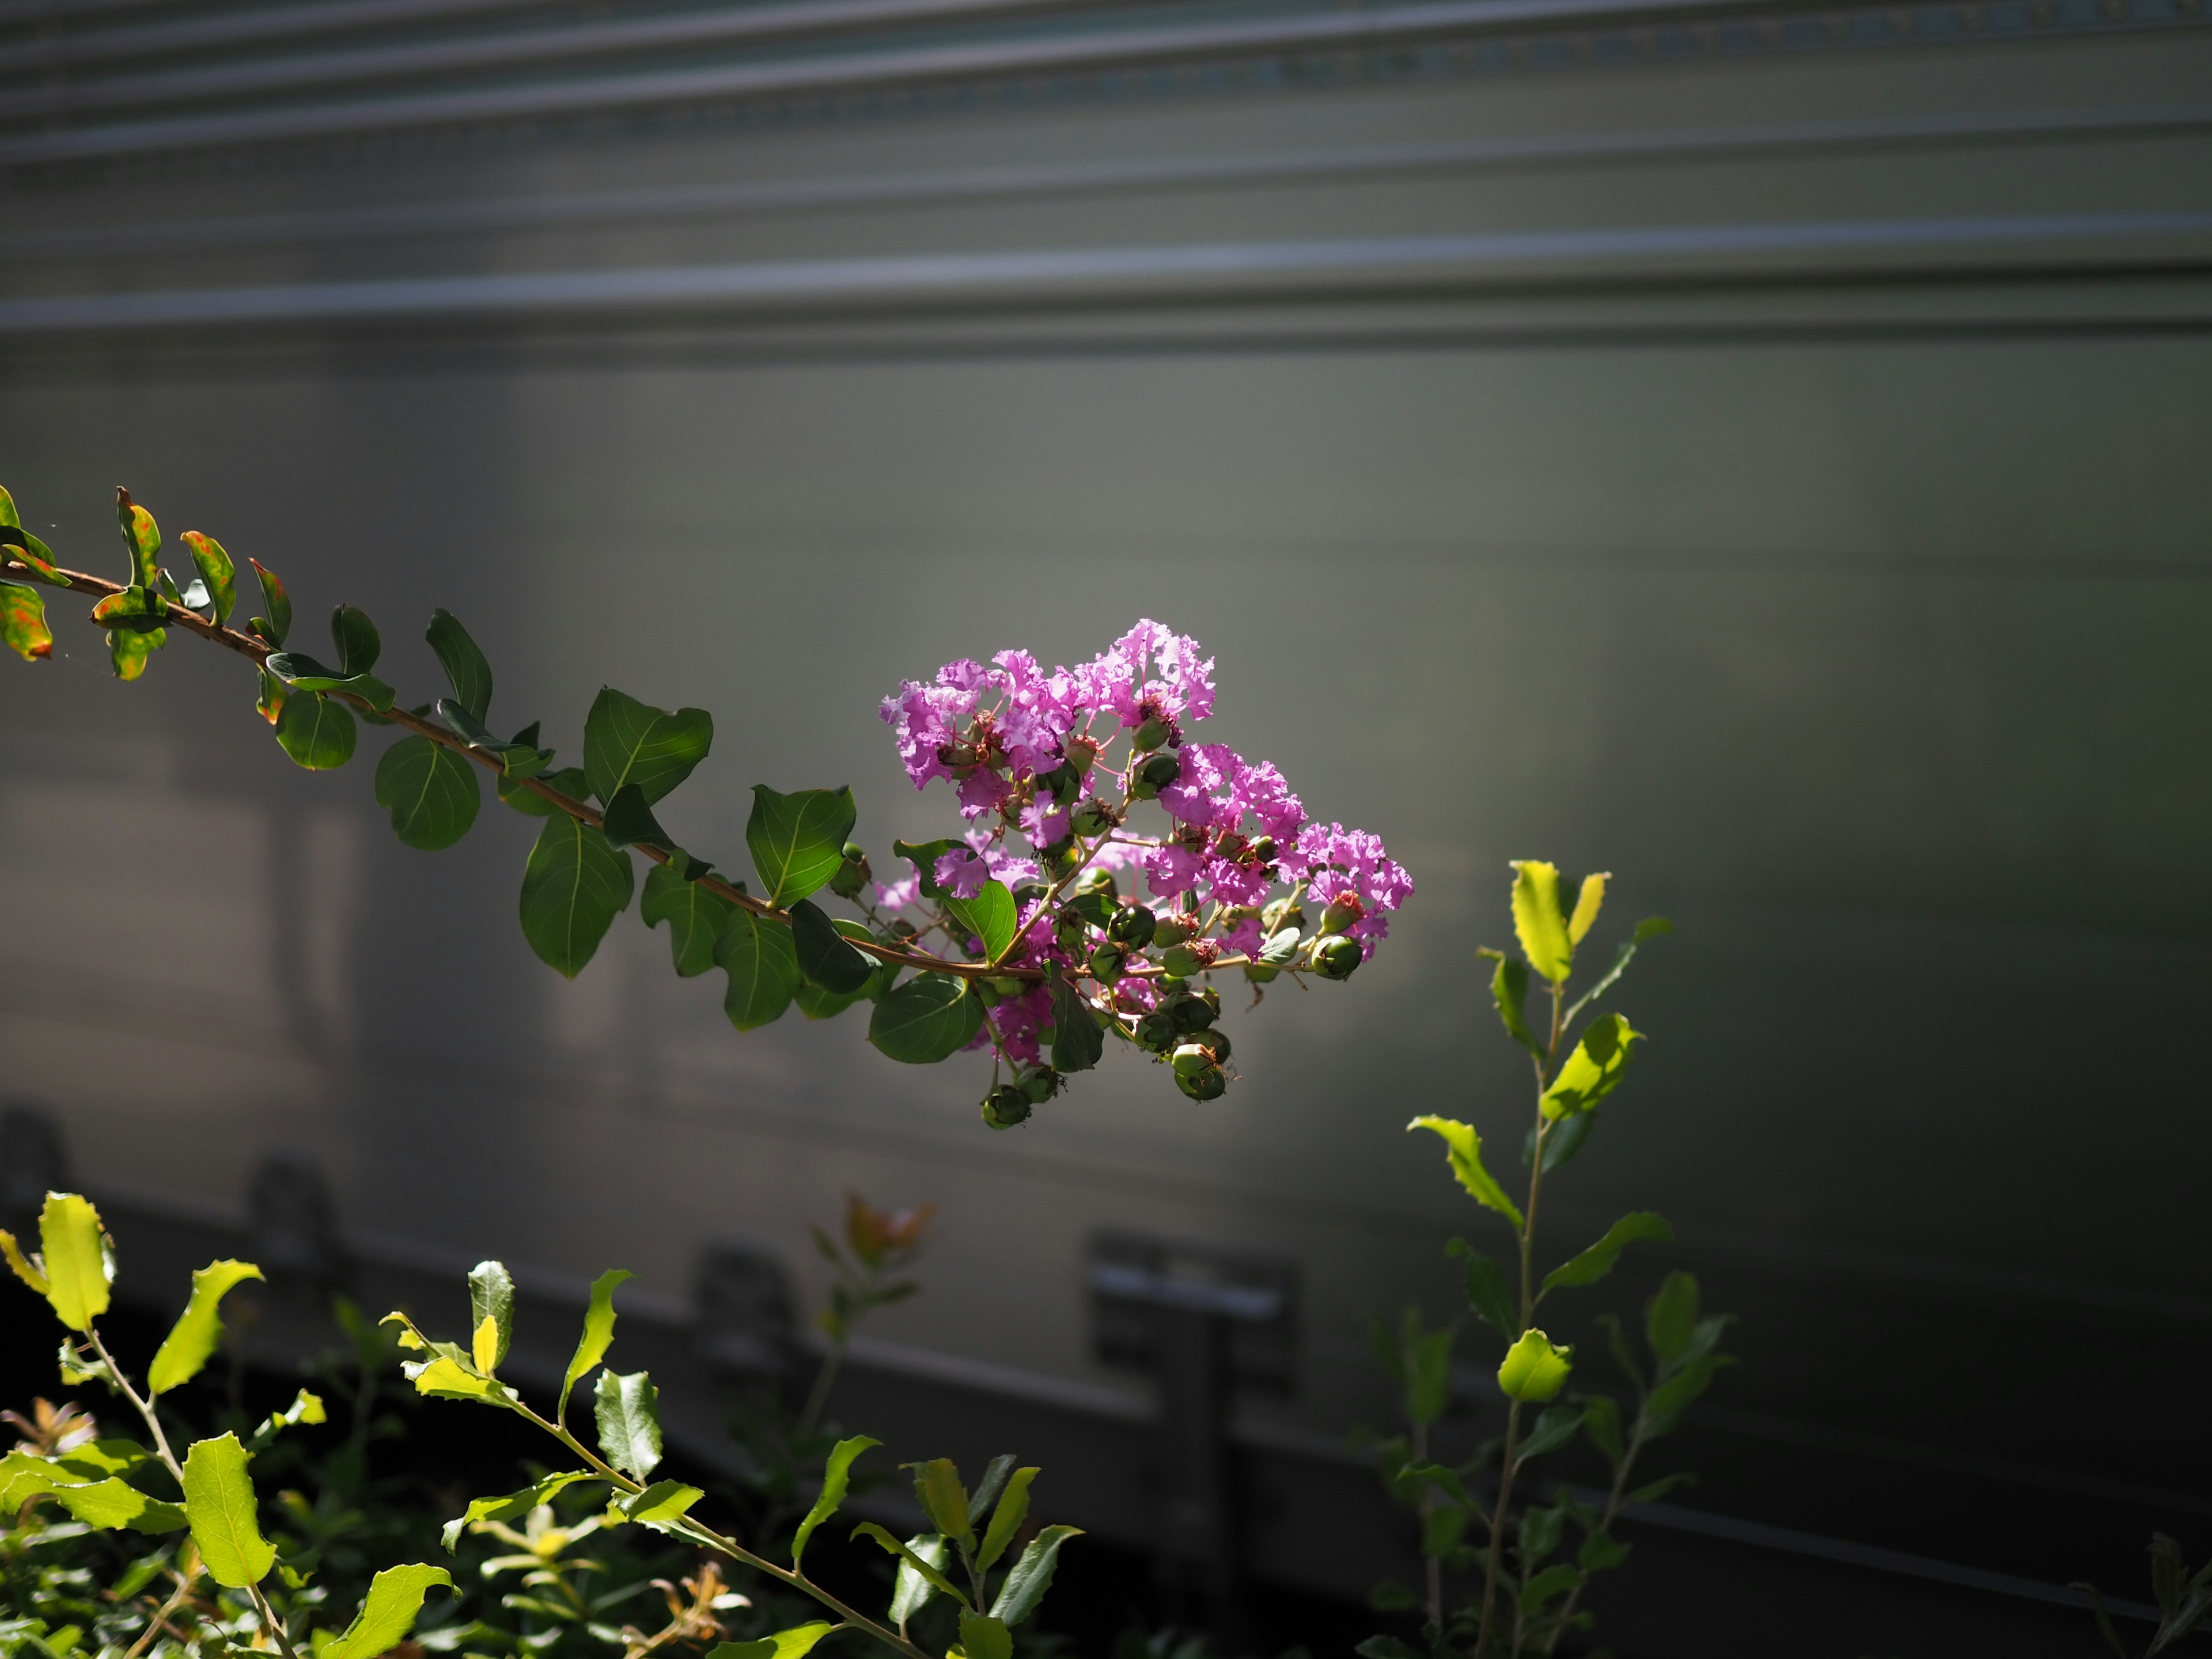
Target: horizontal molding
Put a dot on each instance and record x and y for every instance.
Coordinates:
(134, 36)
(1944, 248)
(1061, 181)
(1398, 27)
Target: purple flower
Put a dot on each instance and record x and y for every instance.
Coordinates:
(1340, 864)
(1244, 936)
(1171, 869)
(897, 895)
(1149, 670)
(1261, 790)
(962, 872)
(1206, 767)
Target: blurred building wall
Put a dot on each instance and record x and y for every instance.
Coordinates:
(1758, 450)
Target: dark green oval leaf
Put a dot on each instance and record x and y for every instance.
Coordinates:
(695, 916)
(433, 793)
(573, 888)
(358, 643)
(1032, 1575)
(927, 1019)
(1077, 1042)
(465, 667)
(990, 916)
(1487, 1293)
(569, 781)
(797, 840)
(763, 968)
(626, 741)
(304, 673)
(316, 732)
(1597, 1262)
(825, 956)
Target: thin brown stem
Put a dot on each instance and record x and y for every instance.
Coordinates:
(144, 1407)
(159, 1622)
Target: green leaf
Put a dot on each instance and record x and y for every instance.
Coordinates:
(1032, 1575)
(944, 1500)
(836, 1477)
(1078, 1044)
(521, 757)
(395, 1600)
(1487, 1293)
(1006, 1520)
(304, 673)
(988, 1490)
(1601, 1552)
(598, 1333)
(492, 1299)
(628, 821)
(317, 733)
(1561, 1139)
(113, 1505)
(569, 781)
(797, 840)
(1587, 903)
(629, 1413)
(1537, 921)
(1534, 1370)
(928, 1018)
(217, 574)
(816, 1003)
(128, 649)
(1464, 1148)
(662, 1506)
(192, 1338)
(762, 965)
(983, 1637)
(990, 916)
(694, 917)
(911, 1592)
(142, 536)
(73, 1246)
(451, 1377)
(466, 670)
(356, 637)
(792, 1644)
(1557, 1426)
(825, 956)
(1596, 1262)
(1508, 990)
(305, 1407)
(1602, 1423)
(573, 888)
(1593, 1070)
(925, 1570)
(514, 1506)
(924, 855)
(277, 623)
(1659, 1488)
(1649, 928)
(1662, 1411)
(1670, 1318)
(1281, 946)
(433, 793)
(24, 622)
(626, 741)
(1555, 1580)
(220, 1503)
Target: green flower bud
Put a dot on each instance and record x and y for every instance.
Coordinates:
(1157, 1031)
(1341, 914)
(1335, 956)
(1062, 781)
(1280, 915)
(1106, 962)
(1263, 849)
(1191, 1059)
(854, 852)
(1171, 930)
(1093, 817)
(1218, 1039)
(1006, 987)
(1069, 930)
(1038, 1083)
(1005, 1106)
(1059, 858)
(1151, 734)
(1095, 880)
(847, 880)
(1157, 774)
(1260, 973)
(1194, 1014)
(1209, 1083)
(1133, 926)
(1181, 960)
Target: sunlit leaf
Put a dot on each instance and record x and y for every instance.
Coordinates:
(433, 793)
(1587, 903)
(217, 574)
(114, 1505)
(317, 733)
(797, 840)
(626, 741)
(910, 1591)
(695, 916)
(514, 1506)
(277, 623)
(219, 1500)
(304, 673)
(928, 1018)
(1649, 928)
(128, 649)
(825, 956)
(1596, 1262)
(142, 536)
(466, 668)
(1031, 1575)
(270, 703)
(1592, 1072)
(990, 916)
(1463, 1146)
(492, 1302)
(837, 1478)
(573, 888)
(394, 1601)
(447, 1377)
(627, 1411)
(1533, 1369)
(983, 1637)
(1536, 919)
(762, 965)
(927, 1570)
(192, 1338)
(24, 622)
(598, 1333)
(72, 1247)
(794, 1644)
(1006, 1520)
(662, 1506)
(944, 1500)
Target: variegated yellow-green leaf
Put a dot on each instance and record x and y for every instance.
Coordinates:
(192, 1338)
(1537, 921)
(514, 1506)
(1588, 903)
(142, 536)
(129, 648)
(662, 1506)
(1594, 1068)
(277, 623)
(216, 572)
(73, 1247)
(492, 1302)
(220, 1502)
(24, 622)
(395, 1600)
(1464, 1148)
(25, 1269)
(446, 1379)
(1534, 1369)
